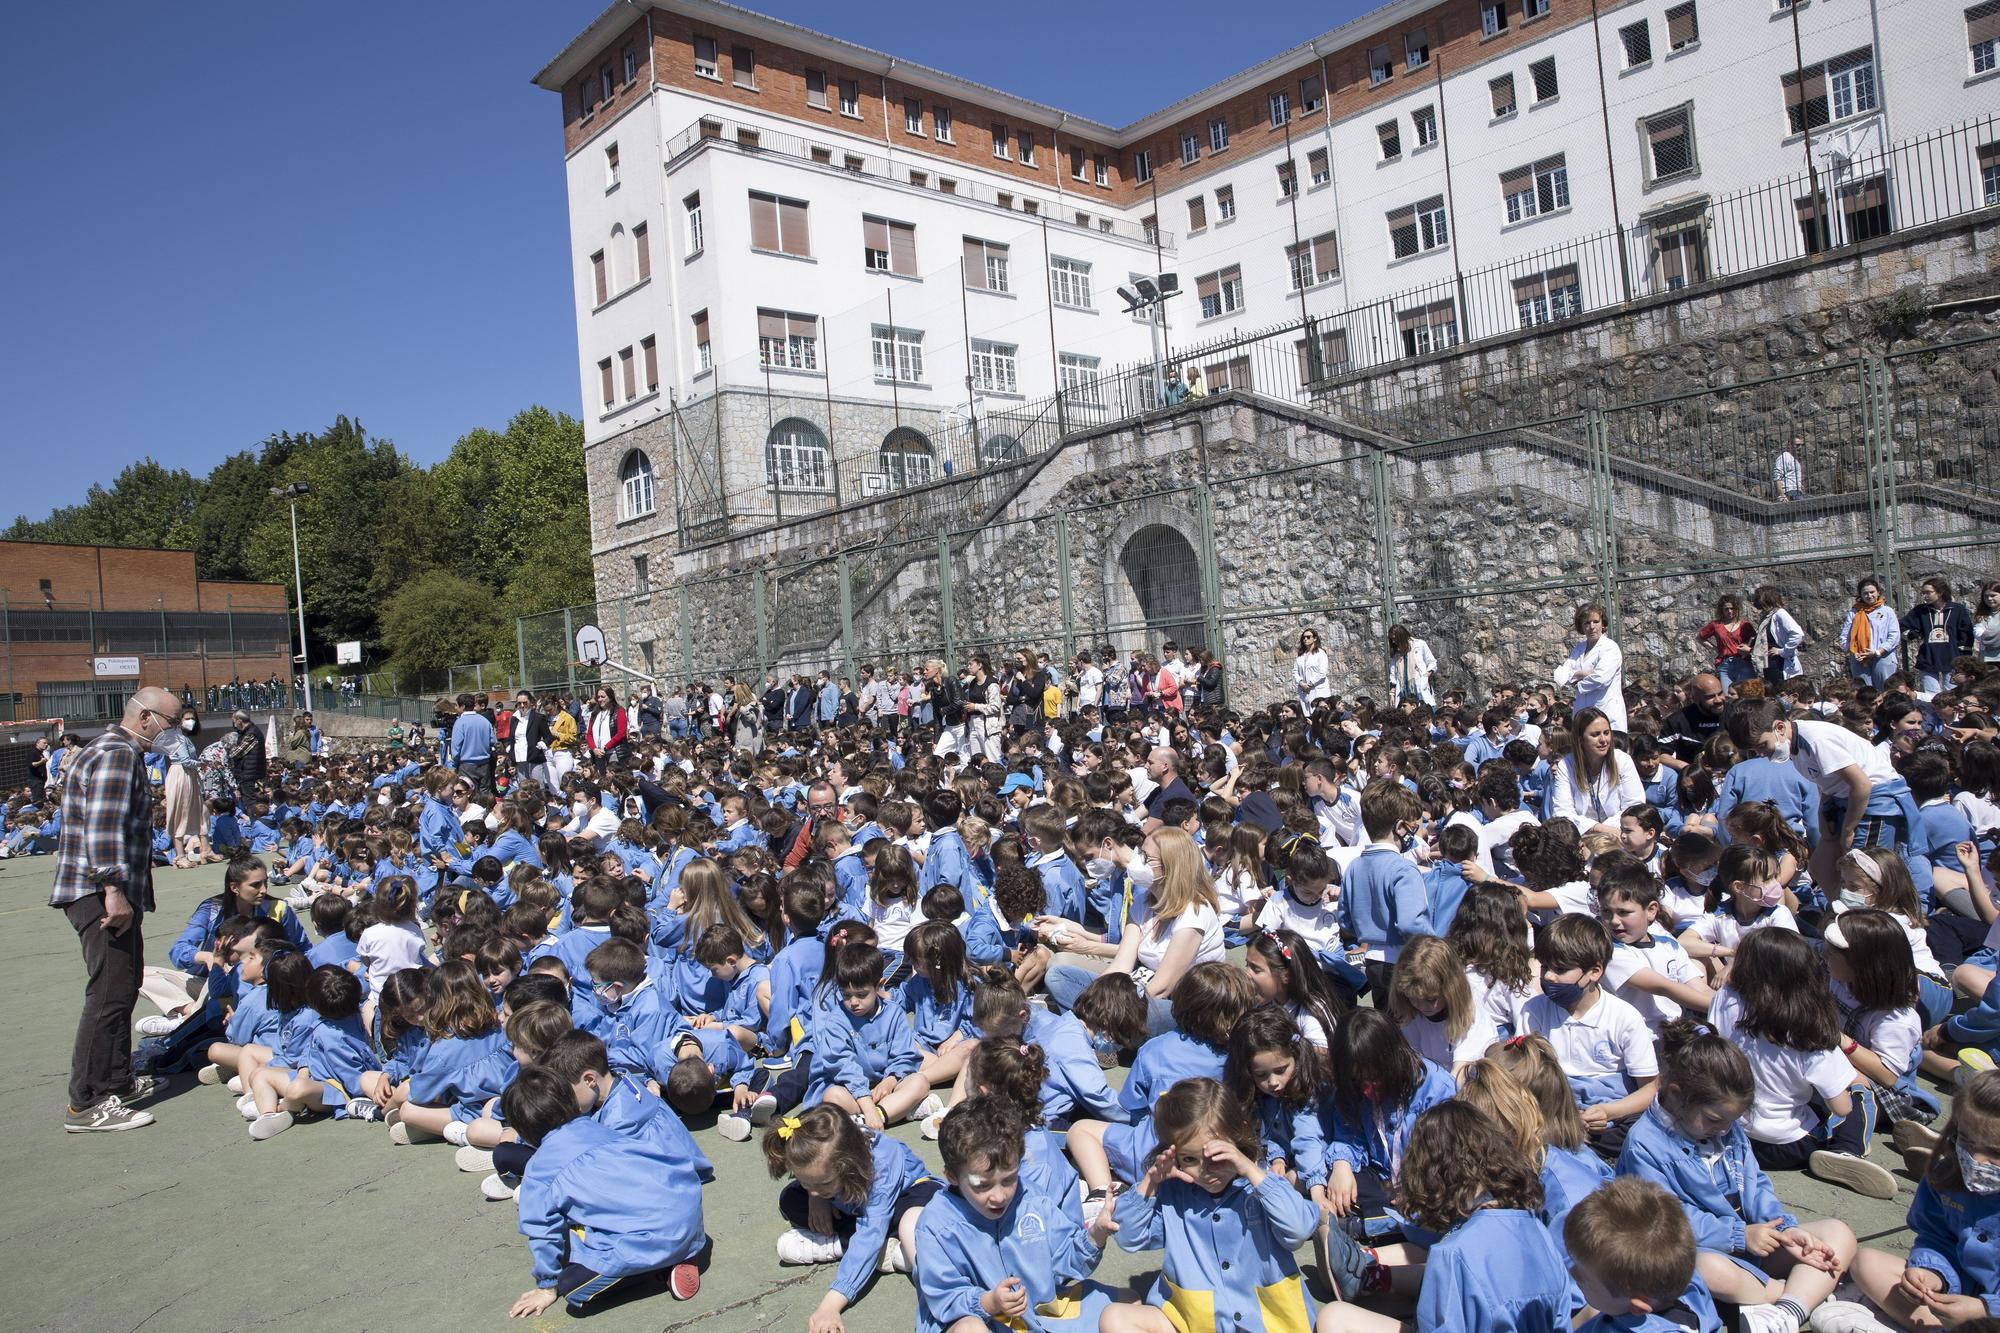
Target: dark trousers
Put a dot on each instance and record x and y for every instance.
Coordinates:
(101, 1064)
(479, 774)
(1849, 1135)
(1381, 976)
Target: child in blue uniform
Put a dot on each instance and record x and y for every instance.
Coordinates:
(1489, 1089)
(1228, 1227)
(1633, 1257)
(464, 1029)
(1379, 1088)
(996, 1246)
(1016, 1072)
(938, 996)
(1383, 900)
(867, 1056)
(332, 1054)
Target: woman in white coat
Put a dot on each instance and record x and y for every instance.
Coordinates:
(1595, 782)
(1596, 667)
(1411, 667)
(1775, 649)
(1310, 671)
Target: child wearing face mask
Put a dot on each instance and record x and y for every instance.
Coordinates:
(1383, 901)
(996, 1248)
(1379, 1086)
(1688, 873)
(1747, 897)
(1602, 1043)
(1952, 1274)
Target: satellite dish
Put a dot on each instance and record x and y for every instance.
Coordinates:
(590, 646)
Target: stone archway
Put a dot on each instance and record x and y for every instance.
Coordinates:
(1153, 577)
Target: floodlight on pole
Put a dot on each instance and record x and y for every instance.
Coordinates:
(1151, 298)
(292, 492)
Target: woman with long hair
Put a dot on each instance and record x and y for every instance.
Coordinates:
(605, 731)
(1595, 782)
(1871, 635)
(1775, 649)
(1310, 670)
(1412, 667)
(1728, 632)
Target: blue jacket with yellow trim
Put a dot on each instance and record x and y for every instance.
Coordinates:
(961, 1256)
(1228, 1260)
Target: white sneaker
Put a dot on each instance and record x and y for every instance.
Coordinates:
(495, 1190)
(1854, 1173)
(735, 1128)
(1847, 1317)
(454, 1134)
(763, 1109)
(1093, 1207)
(246, 1106)
(1765, 1319)
(893, 1258)
(208, 1075)
(799, 1246)
(270, 1126)
(158, 1025)
(932, 1105)
(235, 1083)
(399, 1134)
(473, 1160)
(932, 1125)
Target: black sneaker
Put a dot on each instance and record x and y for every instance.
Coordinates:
(106, 1117)
(144, 1088)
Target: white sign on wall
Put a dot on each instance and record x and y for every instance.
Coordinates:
(347, 654)
(115, 666)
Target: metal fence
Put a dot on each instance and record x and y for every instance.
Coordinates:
(1246, 520)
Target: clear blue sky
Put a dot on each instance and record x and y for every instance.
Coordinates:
(228, 219)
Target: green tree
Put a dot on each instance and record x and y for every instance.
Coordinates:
(438, 620)
(147, 505)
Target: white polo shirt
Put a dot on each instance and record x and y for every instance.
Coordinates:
(1608, 1038)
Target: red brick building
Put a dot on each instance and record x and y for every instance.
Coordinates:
(81, 627)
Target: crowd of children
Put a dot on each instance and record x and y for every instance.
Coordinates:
(1493, 1068)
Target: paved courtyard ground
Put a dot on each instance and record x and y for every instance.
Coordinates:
(190, 1225)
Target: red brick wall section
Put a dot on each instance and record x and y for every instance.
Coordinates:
(584, 114)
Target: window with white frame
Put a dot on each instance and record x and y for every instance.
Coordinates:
(816, 88)
(1669, 143)
(1221, 292)
(1142, 166)
(1420, 228)
(1069, 279)
(1502, 89)
(1281, 109)
(1381, 65)
(1989, 172)
(1424, 122)
(1492, 17)
(695, 236)
(1831, 91)
(1416, 48)
(1218, 135)
(1637, 41)
(1683, 27)
(1680, 252)
(1313, 262)
(1190, 148)
(705, 58)
(985, 265)
(995, 366)
(642, 578)
(1225, 202)
(1541, 187)
(907, 459)
(1332, 359)
(704, 354)
(611, 167)
(1544, 298)
(1543, 75)
(635, 481)
(1430, 328)
(607, 383)
(743, 67)
(1076, 376)
(1311, 94)
(913, 115)
(1288, 179)
(1319, 166)
(787, 340)
(1003, 147)
(1100, 169)
(850, 98)
(1533, 9)
(631, 64)
(796, 456)
(898, 353)
(888, 246)
(1076, 162)
(1197, 214)
(941, 124)
(1982, 36)
(1025, 142)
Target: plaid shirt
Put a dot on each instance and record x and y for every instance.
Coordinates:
(107, 821)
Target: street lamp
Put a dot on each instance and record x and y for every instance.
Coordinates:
(292, 493)
(1151, 296)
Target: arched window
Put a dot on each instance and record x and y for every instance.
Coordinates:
(635, 476)
(796, 456)
(907, 459)
(999, 451)
(614, 255)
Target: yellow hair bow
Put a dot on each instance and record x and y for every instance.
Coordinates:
(788, 1127)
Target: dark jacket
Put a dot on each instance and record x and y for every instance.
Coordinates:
(1933, 655)
(247, 760)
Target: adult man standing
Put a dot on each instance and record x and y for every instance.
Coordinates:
(104, 885)
(248, 762)
(471, 748)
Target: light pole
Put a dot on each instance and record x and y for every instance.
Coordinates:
(1153, 292)
(292, 493)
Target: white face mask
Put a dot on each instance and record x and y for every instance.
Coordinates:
(1701, 879)
(1099, 868)
(1140, 873)
(188, 725)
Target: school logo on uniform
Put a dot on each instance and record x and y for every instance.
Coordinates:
(1030, 1226)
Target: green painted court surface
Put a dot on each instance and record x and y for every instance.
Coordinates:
(188, 1224)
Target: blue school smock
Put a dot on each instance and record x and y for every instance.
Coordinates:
(1228, 1261)
(1569, 1175)
(896, 1169)
(947, 863)
(740, 1007)
(1719, 1200)
(961, 1256)
(691, 988)
(642, 1021)
(1045, 1165)
(857, 1053)
(1062, 884)
(1695, 1310)
(1663, 793)
(199, 933)
(574, 946)
(1074, 1087)
(630, 1109)
(736, 837)
(438, 830)
(482, 1081)
(1375, 1143)
(1980, 1025)
(399, 1059)
(1160, 1063)
(615, 1203)
(337, 1053)
(1295, 1134)
(253, 1022)
(335, 950)
(850, 876)
(794, 977)
(1764, 779)
(988, 939)
(293, 1026)
(934, 1021)
(1957, 1239)
(1940, 827)
(1382, 901)
(434, 1078)
(1499, 1272)
(1444, 888)
(510, 847)
(718, 1050)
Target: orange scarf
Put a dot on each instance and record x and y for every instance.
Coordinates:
(1860, 639)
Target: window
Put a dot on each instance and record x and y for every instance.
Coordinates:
(985, 265)
(606, 383)
(1424, 121)
(993, 366)
(913, 115)
(1982, 34)
(1391, 137)
(946, 185)
(1381, 67)
(1533, 9)
(1026, 142)
(1101, 170)
(600, 277)
(1543, 298)
(1142, 166)
(816, 88)
(1814, 228)
(1416, 49)
(1835, 90)
(642, 582)
(1190, 149)
(1075, 162)
(704, 355)
(1197, 213)
(1503, 96)
(899, 354)
(1288, 179)
(704, 58)
(607, 83)
(1220, 293)
(907, 459)
(1281, 109)
(850, 98)
(919, 179)
(1319, 166)
(1000, 450)
(1419, 228)
(1331, 359)
(649, 356)
(889, 247)
(628, 371)
(1231, 374)
(743, 66)
(1669, 143)
(796, 457)
(1218, 135)
(1430, 328)
(1225, 203)
(1001, 148)
(941, 124)
(694, 233)
(787, 340)
(1680, 253)
(1683, 29)
(1637, 39)
(1311, 94)
(1865, 207)
(1534, 190)
(779, 225)
(1492, 17)
(1076, 379)
(642, 252)
(635, 481)
(1314, 261)
(631, 64)
(1989, 172)
(1543, 72)
(1070, 280)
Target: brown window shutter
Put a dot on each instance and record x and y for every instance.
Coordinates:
(793, 237)
(1806, 207)
(874, 234)
(605, 381)
(801, 326)
(651, 351)
(1209, 285)
(1982, 23)
(1671, 266)
(1305, 362)
(763, 222)
(1197, 213)
(1680, 26)
(1814, 87)
(771, 324)
(1989, 155)
(1867, 194)
(903, 250)
(1517, 180)
(1410, 319)
(1403, 217)
(598, 275)
(1335, 345)
(1666, 129)
(1563, 279)
(630, 371)
(1526, 289)
(700, 327)
(975, 263)
(642, 246)
(1326, 253)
